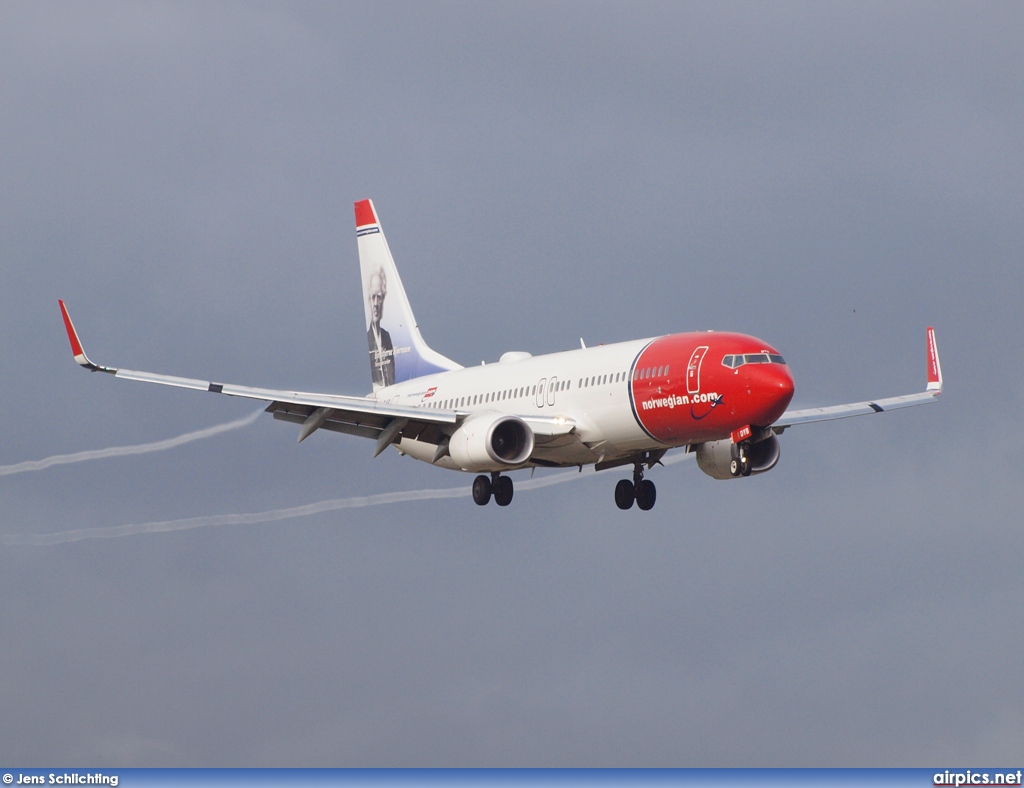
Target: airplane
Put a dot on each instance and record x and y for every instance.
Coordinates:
(721, 395)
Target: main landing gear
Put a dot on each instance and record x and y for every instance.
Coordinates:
(640, 490)
(499, 486)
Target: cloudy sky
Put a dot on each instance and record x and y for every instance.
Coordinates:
(830, 177)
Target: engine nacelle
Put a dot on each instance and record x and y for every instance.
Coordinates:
(714, 457)
(491, 442)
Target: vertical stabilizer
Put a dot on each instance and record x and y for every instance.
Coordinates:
(397, 351)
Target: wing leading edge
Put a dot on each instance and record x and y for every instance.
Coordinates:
(353, 415)
(929, 395)
(361, 416)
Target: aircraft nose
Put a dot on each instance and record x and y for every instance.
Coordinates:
(776, 386)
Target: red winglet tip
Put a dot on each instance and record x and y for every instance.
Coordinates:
(365, 214)
(934, 365)
(76, 346)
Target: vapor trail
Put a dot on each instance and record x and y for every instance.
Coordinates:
(354, 502)
(123, 451)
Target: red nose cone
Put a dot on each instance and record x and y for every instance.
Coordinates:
(774, 390)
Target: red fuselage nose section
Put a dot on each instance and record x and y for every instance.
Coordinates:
(690, 388)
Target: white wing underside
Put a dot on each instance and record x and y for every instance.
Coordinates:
(810, 415)
(362, 416)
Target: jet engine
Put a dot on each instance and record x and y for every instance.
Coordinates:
(491, 442)
(715, 457)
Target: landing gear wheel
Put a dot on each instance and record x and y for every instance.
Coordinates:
(735, 469)
(745, 465)
(482, 491)
(502, 488)
(646, 494)
(625, 494)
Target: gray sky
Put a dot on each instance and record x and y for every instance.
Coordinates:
(830, 177)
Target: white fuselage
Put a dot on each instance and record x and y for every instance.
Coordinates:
(589, 386)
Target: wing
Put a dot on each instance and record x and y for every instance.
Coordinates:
(931, 392)
(360, 416)
(353, 415)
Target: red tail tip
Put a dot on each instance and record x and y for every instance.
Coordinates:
(365, 214)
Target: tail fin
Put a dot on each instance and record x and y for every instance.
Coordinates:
(397, 351)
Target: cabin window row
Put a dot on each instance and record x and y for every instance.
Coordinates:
(470, 400)
(596, 380)
(650, 372)
(601, 380)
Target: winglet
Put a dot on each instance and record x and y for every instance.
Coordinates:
(934, 367)
(76, 344)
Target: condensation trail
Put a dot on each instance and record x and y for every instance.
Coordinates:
(124, 451)
(252, 518)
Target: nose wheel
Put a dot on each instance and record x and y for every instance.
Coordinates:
(740, 463)
(640, 490)
(497, 485)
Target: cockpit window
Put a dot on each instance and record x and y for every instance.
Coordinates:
(735, 361)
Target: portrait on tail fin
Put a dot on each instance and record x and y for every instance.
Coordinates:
(382, 352)
(397, 350)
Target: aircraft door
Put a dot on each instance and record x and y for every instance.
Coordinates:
(540, 399)
(693, 370)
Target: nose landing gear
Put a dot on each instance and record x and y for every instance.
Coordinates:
(640, 490)
(740, 463)
(498, 485)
